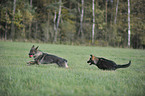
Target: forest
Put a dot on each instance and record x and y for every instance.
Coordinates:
(117, 23)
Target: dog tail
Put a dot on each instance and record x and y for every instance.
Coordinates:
(125, 65)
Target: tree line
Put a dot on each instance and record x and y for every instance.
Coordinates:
(90, 22)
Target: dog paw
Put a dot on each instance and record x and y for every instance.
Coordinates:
(28, 64)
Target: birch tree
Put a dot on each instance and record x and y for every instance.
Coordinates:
(81, 19)
(106, 11)
(30, 24)
(58, 20)
(82, 15)
(116, 11)
(93, 25)
(6, 26)
(129, 23)
(54, 20)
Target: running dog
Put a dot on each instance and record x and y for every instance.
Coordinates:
(44, 58)
(105, 64)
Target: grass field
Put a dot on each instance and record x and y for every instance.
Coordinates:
(80, 79)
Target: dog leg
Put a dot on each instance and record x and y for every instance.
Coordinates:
(66, 66)
(30, 63)
(62, 64)
(37, 62)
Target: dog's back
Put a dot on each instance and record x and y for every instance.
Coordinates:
(48, 59)
(106, 64)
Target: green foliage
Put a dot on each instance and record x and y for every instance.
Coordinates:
(138, 20)
(67, 30)
(32, 19)
(3, 16)
(47, 32)
(18, 20)
(18, 79)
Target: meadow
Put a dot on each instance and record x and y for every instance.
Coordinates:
(80, 79)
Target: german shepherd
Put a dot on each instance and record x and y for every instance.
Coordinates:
(105, 64)
(44, 58)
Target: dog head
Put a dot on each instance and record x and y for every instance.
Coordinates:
(93, 60)
(33, 51)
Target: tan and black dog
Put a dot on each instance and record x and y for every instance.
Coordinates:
(105, 64)
(44, 58)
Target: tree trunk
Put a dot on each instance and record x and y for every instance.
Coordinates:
(13, 19)
(129, 33)
(36, 30)
(6, 27)
(81, 20)
(59, 14)
(30, 23)
(93, 25)
(31, 3)
(55, 30)
(116, 12)
(106, 11)
(29, 30)
(58, 20)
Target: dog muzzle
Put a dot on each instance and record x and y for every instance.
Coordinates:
(30, 56)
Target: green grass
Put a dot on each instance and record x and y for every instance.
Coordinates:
(81, 79)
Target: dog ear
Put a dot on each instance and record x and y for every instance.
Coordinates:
(33, 46)
(92, 55)
(36, 48)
